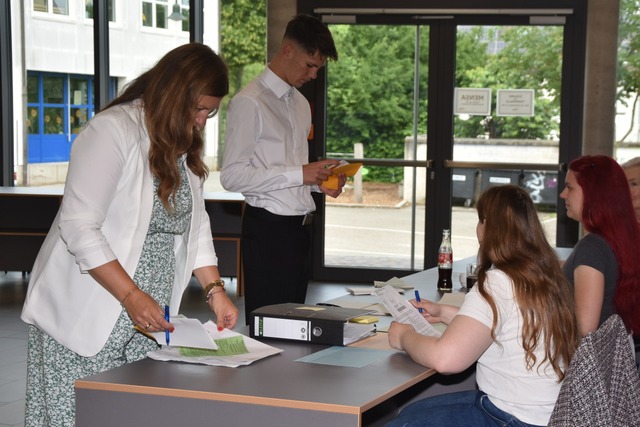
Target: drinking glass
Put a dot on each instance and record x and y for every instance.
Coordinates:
(472, 274)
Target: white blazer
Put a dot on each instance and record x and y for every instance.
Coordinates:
(105, 215)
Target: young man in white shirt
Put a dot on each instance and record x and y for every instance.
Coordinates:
(267, 160)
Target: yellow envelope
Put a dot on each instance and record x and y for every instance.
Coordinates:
(350, 169)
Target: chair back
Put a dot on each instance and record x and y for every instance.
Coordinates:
(602, 385)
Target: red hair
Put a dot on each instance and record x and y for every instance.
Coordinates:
(607, 210)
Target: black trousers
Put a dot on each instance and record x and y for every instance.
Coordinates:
(276, 258)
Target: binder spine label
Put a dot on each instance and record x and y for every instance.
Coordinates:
(293, 329)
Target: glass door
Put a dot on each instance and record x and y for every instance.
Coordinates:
(506, 120)
(376, 110)
(438, 106)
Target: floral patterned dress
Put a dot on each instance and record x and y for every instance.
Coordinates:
(53, 368)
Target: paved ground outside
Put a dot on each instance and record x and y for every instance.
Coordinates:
(381, 237)
(383, 231)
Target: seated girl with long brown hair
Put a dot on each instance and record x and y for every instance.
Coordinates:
(517, 322)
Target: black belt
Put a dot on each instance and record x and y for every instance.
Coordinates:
(261, 213)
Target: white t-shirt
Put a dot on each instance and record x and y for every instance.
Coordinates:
(501, 372)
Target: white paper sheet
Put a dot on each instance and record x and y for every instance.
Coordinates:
(187, 333)
(367, 290)
(254, 350)
(395, 282)
(403, 312)
(355, 332)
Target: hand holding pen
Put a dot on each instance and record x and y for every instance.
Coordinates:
(166, 317)
(418, 300)
(145, 313)
(435, 312)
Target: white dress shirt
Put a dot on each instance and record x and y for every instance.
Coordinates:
(266, 145)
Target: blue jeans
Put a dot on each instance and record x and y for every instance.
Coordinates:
(462, 409)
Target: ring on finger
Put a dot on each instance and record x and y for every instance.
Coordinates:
(148, 326)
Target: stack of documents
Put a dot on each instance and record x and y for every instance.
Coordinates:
(356, 331)
(231, 348)
(397, 283)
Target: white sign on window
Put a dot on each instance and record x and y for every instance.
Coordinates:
(515, 102)
(474, 102)
(499, 180)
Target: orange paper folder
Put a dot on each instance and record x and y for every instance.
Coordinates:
(350, 169)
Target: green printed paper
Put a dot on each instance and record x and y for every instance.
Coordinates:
(226, 347)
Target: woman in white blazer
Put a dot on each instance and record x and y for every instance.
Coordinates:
(131, 230)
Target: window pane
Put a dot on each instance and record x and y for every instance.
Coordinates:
(161, 16)
(507, 113)
(32, 120)
(78, 91)
(78, 119)
(53, 120)
(40, 6)
(518, 119)
(147, 14)
(61, 7)
(32, 89)
(376, 110)
(61, 88)
(184, 10)
(185, 21)
(53, 90)
(373, 115)
(370, 213)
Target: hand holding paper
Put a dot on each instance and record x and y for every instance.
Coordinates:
(403, 312)
(187, 333)
(349, 169)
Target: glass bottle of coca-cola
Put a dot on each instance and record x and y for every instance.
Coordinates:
(445, 263)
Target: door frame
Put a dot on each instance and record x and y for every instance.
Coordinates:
(443, 18)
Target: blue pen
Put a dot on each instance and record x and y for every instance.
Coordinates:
(166, 317)
(418, 300)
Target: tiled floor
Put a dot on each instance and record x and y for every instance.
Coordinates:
(13, 334)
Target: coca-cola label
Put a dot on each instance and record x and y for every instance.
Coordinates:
(445, 260)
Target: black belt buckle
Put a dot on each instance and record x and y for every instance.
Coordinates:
(307, 219)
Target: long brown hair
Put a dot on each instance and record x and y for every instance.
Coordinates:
(170, 91)
(514, 242)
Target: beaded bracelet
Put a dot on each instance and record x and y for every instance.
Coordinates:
(124, 300)
(211, 293)
(210, 289)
